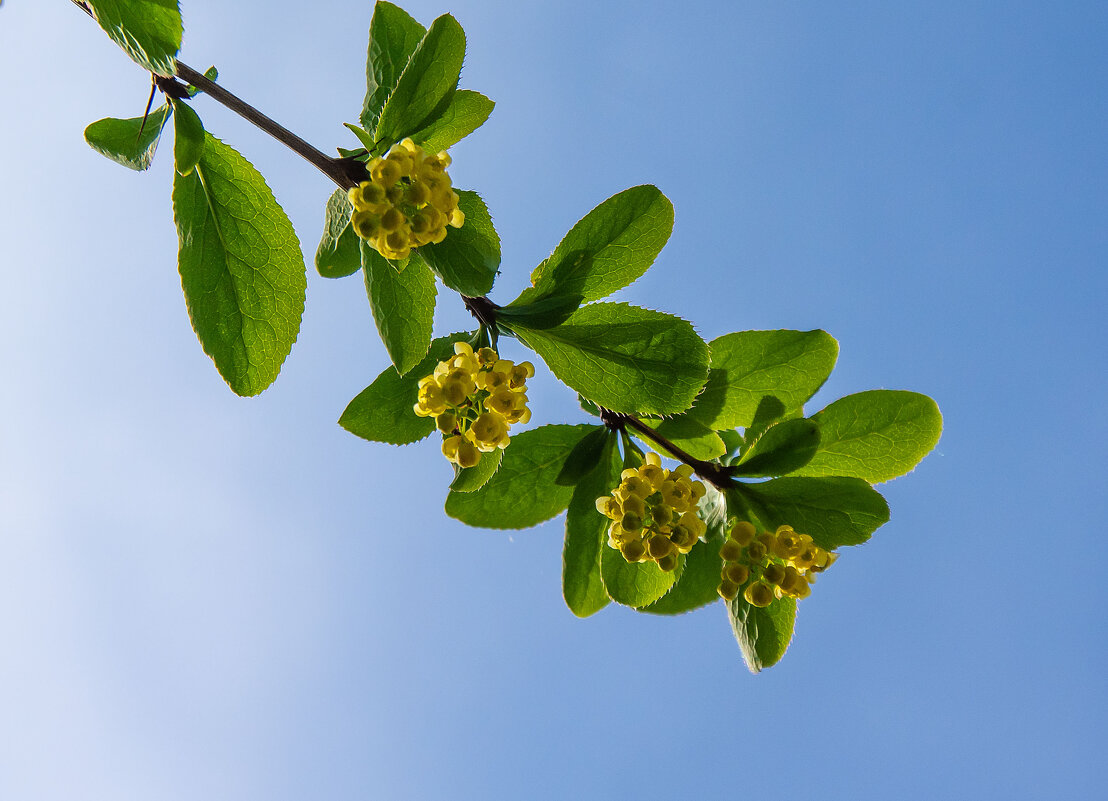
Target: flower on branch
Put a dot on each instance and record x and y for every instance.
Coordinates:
(782, 563)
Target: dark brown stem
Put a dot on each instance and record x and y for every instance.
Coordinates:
(715, 474)
(483, 309)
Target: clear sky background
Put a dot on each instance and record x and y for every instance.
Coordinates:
(209, 597)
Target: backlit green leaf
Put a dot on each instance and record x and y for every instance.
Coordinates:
(188, 137)
(834, 511)
(338, 254)
(149, 31)
(466, 113)
(587, 535)
(403, 306)
(876, 435)
(522, 493)
(748, 365)
(130, 142)
(427, 84)
(624, 358)
(763, 634)
(468, 479)
(382, 412)
(393, 37)
(693, 437)
(782, 449)
(610, 247)
(634, 584)
(467, 260)
(241, 267)
(585, 456)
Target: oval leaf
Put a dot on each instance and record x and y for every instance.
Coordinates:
(624, 358)
(469, 479)
(241, 267)
(130, 142)
(608, 249)
(782, 449)
(876, 435)
(403, 306)
(467, 260)
(424, 89)
(339, 253)
(149, 31)
(763, 634)
(188, 137)
(393, 37)
(634, 584)
(587, 534)
(693, 437)
(382, 412)
(522, 493)
(748, 365)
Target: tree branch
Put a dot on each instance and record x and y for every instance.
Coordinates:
(715, 474)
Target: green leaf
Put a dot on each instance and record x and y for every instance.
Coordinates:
(585, 456)
(403, 306)
(364, 136)
(834, 511)
(241, 267)
(466, 113)
(634, 584)
(149, 31)
(425, 88)
(469, 479)
(467, 260)
(129, 142)
(338, 254)
(624, 358)
(763, 634)
(748, 365)
(541, 314)
(211, 73)
(693, 437)
(876, 435)
(393, 37)
(769, 411)
(782, 449)
(522, 493)
(382, 412)
(609, 248)
(188, 137)
(587, 533)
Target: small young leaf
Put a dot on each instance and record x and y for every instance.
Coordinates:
(876, 435)
(634, 584)
(695, 438)
(763, 633)
(188, 137)
(425, 88)
(241, 267)
(624, 358)
(585, 456)
(608, 249)
(129, 142)
(748, 365)
(149, 31)
(382, 412)
(211, 73)
(782, 449)
(364, 136)
(522, 493)
(587, 533)
(393, 37)
(466, 113)
(467, 260)
(403, 306)
(338, 254)
(469, 479)
(833, 511)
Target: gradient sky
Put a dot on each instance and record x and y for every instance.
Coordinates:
(209, 597)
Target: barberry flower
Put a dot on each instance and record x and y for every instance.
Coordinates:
(653, 512)
(472, 419)
(777, 564)
(407, 202)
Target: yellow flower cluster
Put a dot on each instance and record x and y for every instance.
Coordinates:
(474, 398)
(408, 201)
(783, 563)
(654, 513)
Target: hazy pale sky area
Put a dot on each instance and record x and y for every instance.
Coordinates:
(206, 597)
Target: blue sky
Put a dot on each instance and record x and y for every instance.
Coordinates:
(203, 596)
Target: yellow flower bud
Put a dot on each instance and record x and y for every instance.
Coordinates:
(758, 594)
(728, 590)
(633, 551)
(731, 551)
(736, 573)
(742, 533)
(668, 563)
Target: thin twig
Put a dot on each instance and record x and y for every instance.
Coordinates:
(715, 474)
